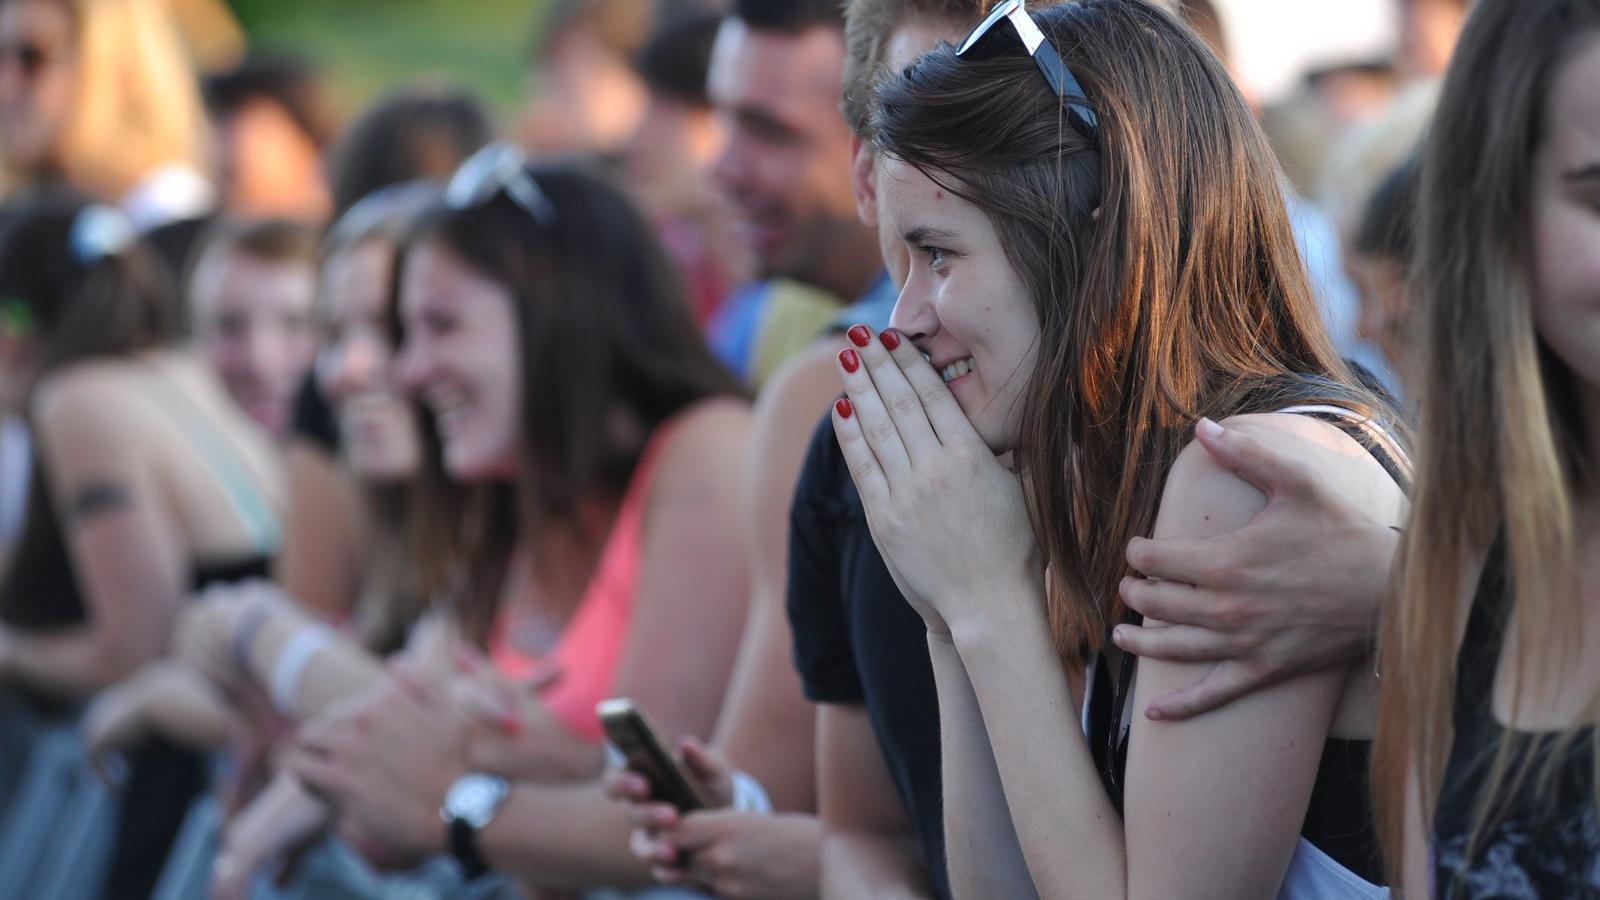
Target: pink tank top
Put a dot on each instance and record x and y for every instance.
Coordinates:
(589, 651)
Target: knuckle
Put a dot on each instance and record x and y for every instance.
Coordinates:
(905, 405)
(862, 469)
(880, 432)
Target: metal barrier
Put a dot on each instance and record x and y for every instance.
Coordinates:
(56, 828)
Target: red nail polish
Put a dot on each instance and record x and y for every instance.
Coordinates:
(511, 725)
(890, 338)
(844, 408)
(849, 360)
(860, 335)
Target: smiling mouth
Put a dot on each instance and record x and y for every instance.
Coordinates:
(957, 369)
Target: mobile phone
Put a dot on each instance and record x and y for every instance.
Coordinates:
(639, 742)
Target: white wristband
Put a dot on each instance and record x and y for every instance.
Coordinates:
(749, 795)
(292, 661)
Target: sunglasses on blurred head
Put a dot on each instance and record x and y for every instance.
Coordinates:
(1054, 69)
(496, 169)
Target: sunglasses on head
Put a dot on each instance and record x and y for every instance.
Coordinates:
(1044, 55)
(496, 169)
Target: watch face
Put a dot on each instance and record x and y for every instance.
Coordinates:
(475, 798)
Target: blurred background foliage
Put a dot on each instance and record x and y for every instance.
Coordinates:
(364, 46)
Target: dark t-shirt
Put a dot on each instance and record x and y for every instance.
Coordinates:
(857, 641)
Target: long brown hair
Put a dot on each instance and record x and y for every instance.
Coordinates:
(604, 331)
(1501, 439)
(1159, 256)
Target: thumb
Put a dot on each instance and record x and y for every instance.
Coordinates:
(1253, 462)
(710, 767)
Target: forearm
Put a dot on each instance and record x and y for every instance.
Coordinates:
(1068, 831)
(877, 866)
(280, 817)
(563, 837)
(197, 717)
(335, 669)
(71, 664)
(981, 848)
(767, 728)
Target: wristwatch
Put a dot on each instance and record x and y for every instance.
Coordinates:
(469, 805)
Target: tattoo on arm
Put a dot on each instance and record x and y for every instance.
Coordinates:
(96, 498)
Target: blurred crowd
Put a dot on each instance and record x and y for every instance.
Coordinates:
(997, 455)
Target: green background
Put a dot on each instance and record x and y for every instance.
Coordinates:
(366, 46)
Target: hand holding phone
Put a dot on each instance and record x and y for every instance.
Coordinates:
(633, 735)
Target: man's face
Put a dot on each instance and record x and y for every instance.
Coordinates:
(786, 162)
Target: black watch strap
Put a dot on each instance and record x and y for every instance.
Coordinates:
(464, 847)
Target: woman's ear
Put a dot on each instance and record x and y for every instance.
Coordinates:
(863, 184)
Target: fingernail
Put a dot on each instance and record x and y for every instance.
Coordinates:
(890, 338)
(860, 335)
(1116, 635)
(1153, 714)
(1209, 428)
(843, 408)
(849, 360)
(511, 725)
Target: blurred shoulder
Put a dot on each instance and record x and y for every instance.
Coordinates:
(705, 440)
(94, 393)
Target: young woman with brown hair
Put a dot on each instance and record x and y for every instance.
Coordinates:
(1101, 263)
(1487, 742)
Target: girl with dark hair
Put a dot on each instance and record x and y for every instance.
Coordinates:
(1487, 744)
(582, 529)
(148, 483)
(1102, 262)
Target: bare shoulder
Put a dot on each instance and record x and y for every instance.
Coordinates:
(791, 404)
(808, 381)
(86, 406)
(1348, 466)
(708, 432)
(1202, 499)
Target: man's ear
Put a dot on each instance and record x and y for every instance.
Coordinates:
(862, 182)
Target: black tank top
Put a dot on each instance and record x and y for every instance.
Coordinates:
(1536, 845)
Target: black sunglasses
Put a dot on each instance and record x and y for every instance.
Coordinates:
(499, 167)
(1044, 56)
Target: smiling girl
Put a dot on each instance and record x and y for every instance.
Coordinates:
(1101, 264)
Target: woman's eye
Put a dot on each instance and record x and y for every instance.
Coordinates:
(937, 256)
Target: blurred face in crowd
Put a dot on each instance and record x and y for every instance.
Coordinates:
(786, 162)
(671, 151)
(1428, 33)
(963, 304)
(581, 98)
(460, 357)
(252, 321)
(268, 167)
(1566, 219)
(37, 81)
(377, 425)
